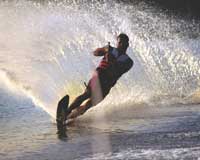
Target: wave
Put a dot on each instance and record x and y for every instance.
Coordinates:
(175, 153)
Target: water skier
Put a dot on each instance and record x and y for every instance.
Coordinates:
(114, 64)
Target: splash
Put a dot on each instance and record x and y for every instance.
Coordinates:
(46, 50)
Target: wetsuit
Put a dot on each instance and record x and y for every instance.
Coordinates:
(112, 66)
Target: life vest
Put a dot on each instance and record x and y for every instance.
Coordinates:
(110, 71)
(113, 53)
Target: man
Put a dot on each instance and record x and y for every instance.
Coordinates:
(114, 64)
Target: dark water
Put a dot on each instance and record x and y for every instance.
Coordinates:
(153, 132)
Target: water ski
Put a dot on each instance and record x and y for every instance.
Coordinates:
(62, 118)
(61, 112)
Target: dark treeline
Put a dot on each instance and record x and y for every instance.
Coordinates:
(189, 8)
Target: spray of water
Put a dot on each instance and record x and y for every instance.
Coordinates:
(46, 50)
